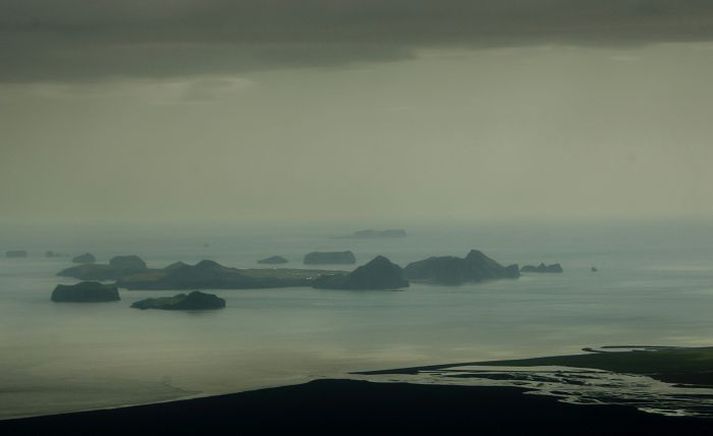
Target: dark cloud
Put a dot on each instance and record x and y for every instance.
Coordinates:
(88, 40)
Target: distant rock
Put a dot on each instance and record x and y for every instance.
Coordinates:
(595, 269)
(451, 270)
(117, 268)
(84, 258)
(273, 260)
(16, 253)
(379, 273)
(329, 257)
(542, 268)
(50, 253)
(85, 292)
(377, 234)
(196, 300)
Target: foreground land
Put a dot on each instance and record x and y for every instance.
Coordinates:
(669, 364)
(359, 407)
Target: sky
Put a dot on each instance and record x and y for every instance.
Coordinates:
(388, 110)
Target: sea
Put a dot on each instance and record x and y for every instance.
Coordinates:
(654, 286)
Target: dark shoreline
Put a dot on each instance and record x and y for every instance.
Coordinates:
(360, 407)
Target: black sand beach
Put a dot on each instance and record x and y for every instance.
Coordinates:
(359, 407)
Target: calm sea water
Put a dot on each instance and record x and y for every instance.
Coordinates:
(655, 286)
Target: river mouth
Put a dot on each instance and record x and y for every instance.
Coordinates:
(573, 384)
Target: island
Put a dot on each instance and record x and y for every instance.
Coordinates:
(85, 292)
(196, 300)
(273, 260)
(542, 268)
(451, 270)
(208, 274)
(84, 258)
(329, 258)
(16, 253)
(379, 273)
(376, 234)
(118, 267)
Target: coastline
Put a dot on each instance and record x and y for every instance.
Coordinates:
(352, 406)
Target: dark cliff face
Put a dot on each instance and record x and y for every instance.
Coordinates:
(329, 257)
(85, 292)
(451, 270)
(196, 300)
(542, 268)
(379, 273)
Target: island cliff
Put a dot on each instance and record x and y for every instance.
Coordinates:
(85, 292)
(379, 273)
(451, 270)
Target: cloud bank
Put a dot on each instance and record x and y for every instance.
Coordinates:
(81, 40)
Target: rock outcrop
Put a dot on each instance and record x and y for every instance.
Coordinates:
(451, 270)
(16, 253)
(329, 258)
(84, 258)
(196, 300)
(273, 260)
(85, 292)
(542, 268)
(379, 273)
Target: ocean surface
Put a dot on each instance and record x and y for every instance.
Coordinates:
(654, 287)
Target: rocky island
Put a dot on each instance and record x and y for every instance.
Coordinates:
(85, 292)
(208, 274)
(329, 258)
(379, 273)
(451, 270)
(542, 268)
(273, 260)
(84, 258)
(196, 300)
(16, 253)
(119, 266)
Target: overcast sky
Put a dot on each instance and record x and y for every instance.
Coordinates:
(359, 109)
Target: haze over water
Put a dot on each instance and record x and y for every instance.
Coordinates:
(654, 287)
